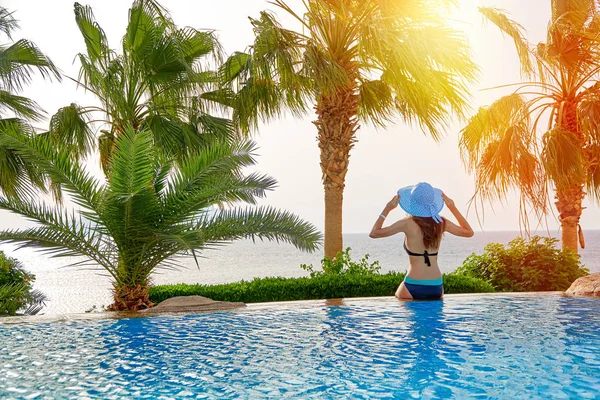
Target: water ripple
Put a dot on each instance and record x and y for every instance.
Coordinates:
(490, 347)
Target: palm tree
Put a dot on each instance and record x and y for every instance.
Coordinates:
(150, 209)
(18, 63)
(509, 146)
(152, 84)
(354, 61)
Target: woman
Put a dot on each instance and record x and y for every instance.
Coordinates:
(423, 229)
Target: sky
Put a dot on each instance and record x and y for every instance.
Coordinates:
(382, 161)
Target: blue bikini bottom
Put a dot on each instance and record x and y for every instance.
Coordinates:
(424, 289)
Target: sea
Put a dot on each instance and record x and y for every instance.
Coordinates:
(72, 289)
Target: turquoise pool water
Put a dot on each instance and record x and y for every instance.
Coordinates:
(463, 347)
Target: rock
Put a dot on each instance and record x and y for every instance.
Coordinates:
(588, 285)
(192, 304)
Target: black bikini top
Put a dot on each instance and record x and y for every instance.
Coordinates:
(425, 254)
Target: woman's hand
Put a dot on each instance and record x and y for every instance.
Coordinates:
(393, 203)
(449, 202)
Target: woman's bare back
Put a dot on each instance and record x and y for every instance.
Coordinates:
(414, 242)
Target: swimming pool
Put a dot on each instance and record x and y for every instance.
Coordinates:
(463, 347)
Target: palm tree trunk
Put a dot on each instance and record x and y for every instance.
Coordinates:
(569, 206)
(130, 298)
(336, 124)
(569, 190)
(129, 293)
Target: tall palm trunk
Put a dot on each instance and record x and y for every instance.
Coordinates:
(568, 204)
(336, 124)
(569, 191)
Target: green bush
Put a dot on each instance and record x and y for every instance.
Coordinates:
(15, 289)
(318, 287)
(343, 264)
(535, 265)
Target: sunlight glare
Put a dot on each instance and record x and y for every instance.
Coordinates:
(467, 19)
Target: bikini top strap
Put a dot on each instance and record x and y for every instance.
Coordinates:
(425, 254)
(410, 253)
(427, 261)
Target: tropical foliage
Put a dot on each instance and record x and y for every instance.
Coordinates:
(509, 145)
(149, 210)
(152, 84)
(343, 263)
(19, 61)
(525, 266)
(353, 61)
(16, 293)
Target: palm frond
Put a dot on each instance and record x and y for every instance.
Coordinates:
(37, 302)
(562, 156)
(195, 44)
(18, 63)
(21, 106)
(58, 166)
(172, 135)
(376, 102)
(20, 177)
(272, 81)
(593, 171)
(70, 128)
(213, 177)
(147, 21)
(8, 23)
(259, 223)
(499, 145)
(489, 125)
(425, 63)
(61, 233)
(93, 35)
(216, 126)
(573, 12)
(515, 31)
(237, 65)
(216, 191)
(588, 112)
(131, 206)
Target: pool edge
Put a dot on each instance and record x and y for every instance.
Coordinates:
(257, 306)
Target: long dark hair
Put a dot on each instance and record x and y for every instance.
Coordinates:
(431, 230)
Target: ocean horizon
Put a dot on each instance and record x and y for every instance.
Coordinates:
(78, 289)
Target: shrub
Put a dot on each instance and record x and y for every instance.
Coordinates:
(15, 289)
(343, 264)
(322, 286)
(535, 265)
(455, 283)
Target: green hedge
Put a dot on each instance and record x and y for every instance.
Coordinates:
(317, 287)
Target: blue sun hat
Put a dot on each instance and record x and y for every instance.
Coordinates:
(422, 200)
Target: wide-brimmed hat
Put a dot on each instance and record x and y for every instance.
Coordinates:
(422, 200)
